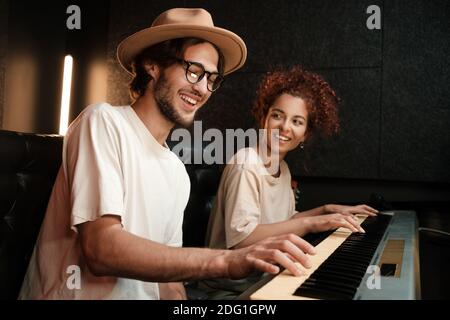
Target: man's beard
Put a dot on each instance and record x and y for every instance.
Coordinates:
(163, 98)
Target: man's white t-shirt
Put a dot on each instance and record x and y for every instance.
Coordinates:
(111, 165)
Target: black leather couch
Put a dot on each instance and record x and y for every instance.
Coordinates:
(28, 167)
(204, 183)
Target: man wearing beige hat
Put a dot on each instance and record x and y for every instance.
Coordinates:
(113, 227)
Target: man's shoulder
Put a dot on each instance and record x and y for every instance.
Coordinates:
(99, 112)
(102, 109)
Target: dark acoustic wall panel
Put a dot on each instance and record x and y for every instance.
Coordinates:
(317, 34)
(415, 135)
(353, 152)
(231, 106)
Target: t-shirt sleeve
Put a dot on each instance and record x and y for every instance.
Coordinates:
(241, 204)
(93, 169)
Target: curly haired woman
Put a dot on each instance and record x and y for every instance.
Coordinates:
(253, 203)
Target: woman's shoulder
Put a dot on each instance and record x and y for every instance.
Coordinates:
(245, 158)
(284, 165)
(245, 161)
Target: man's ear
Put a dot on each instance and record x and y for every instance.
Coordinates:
(152, 69)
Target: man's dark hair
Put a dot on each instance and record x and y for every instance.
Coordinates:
(163, 54)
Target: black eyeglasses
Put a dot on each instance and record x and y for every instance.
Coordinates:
(196, 71)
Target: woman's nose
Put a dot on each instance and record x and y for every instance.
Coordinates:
(284, 127)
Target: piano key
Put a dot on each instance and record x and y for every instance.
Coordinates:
(330, 285)
(338, 274)
(351, 264)
(339, 281)
(346, 277)
(321, 293)
(348, 256)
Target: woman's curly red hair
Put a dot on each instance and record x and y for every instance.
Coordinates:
(321, 100)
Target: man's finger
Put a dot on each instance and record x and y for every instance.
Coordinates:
(304, 245)
(288, 247)
(370, 209)
(356, 225)
(347, 223)
(264, 266)
(289, 264)
(265, 261)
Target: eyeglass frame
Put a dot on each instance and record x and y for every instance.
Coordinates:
(186, 66)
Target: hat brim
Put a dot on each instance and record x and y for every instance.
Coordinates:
(231, 45)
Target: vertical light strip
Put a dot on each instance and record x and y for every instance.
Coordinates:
(65, 97)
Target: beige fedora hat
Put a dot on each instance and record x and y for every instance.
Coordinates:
(181, 23)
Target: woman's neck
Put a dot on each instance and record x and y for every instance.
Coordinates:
(271, 160)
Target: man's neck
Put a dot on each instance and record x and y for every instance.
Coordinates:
(147, 110)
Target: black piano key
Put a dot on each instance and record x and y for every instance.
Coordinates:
(351, 264)
(368, 242)
(343, 271)
(322, 294)
(315, 238)
(348, 256)
(343, 265)
(330, 288)
(348, 293)
(359, 249)
(351, 253)
(338, 280)
(332, 285)
(339, 276)
(340, 269)
(362, 248)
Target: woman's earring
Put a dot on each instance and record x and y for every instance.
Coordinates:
(302, 145)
